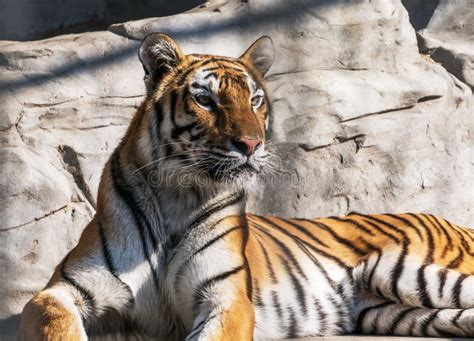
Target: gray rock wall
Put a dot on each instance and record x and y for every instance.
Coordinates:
(361, 121)
(38, 19)
(449, 38)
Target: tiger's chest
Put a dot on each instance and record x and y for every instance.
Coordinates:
(196, 260)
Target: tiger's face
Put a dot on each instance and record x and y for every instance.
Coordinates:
(208, 114)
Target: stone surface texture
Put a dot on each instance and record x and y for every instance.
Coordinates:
(449, 38)
(361, 120)
(30, 20)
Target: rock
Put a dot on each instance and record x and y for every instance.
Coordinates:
(361, 122)
(42, 19)
(448, 36)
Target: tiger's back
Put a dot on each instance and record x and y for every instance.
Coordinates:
(332, 276)
(314, 277)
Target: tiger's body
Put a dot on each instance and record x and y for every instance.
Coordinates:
(167, 261)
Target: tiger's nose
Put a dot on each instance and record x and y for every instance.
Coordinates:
(246, 144)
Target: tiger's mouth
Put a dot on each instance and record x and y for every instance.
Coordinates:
(229, 168)
(233, 171)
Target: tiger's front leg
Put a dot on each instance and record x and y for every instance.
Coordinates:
(79, 293)
(52, 315)
(221, 321)
(210, 282)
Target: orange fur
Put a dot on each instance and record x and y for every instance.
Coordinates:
(44, 318)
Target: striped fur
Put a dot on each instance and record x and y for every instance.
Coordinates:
(172, 255)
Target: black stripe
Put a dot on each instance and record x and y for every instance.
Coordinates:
(456, 261)
(341, 314)
(127, 193)
(173, 100)
(178, 130)
(430, 252)
(304, 230)
(462, 234)
(190, 68)
(372, 271)
(407, 223)
(208, 212)
(299, 242)
(295, 238)
(425, 325)
(457, 317)
(384, 223)
(180, 238)
(128, 198)
(211, 281)
(398, 269)
(346, 242)
(353, 223)
(442, 274)
(449, 243)
(277, 305)
(109, 262)
(154, 129)
(422, 286)
(369, 247)
(298, 288)
(242, 81)
(223, 68)
(293, 327)
(322, 317)
(196, 85)
(248, 275)
(212, 74)
(187, 100)
(183, 265)
(318, 264)
(169, 150)
(465, 231)
(444, 333)
(398, 320)
(286, 251)
(382, 231)
(257, 296)
(268, 262)
(363, 312)
(106, 251)
(86, 294)
(197, 329)
(421, 279)
(215, 239)
(456, 294)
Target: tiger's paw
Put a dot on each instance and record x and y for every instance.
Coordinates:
(46, 318)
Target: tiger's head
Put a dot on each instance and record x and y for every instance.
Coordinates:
(207, 114)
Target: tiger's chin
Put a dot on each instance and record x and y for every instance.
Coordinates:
(242, 176)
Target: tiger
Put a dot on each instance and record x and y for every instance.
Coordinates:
(172, 254)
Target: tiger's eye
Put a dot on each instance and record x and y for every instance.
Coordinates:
(203, 100)
(256, 101)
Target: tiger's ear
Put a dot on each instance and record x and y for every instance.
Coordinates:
(260, 54)
(159, 55)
